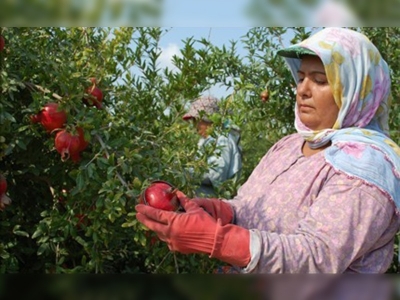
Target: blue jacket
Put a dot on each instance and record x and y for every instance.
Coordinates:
(224, 164)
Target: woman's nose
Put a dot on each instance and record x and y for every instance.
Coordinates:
(303, 88)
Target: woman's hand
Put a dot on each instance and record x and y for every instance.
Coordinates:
(217, 208)
(195, 231)
(189, 232)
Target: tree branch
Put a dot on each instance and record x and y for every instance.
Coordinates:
(36, 87)
(103, 145)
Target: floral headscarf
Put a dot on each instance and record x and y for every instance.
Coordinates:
(360, 83)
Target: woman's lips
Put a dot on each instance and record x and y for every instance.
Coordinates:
(305, 107)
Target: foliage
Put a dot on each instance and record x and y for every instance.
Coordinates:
(71, 217)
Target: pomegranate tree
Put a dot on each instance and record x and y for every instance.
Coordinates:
(70, 145)
(161, 195)
(4, 199)
(51, 117)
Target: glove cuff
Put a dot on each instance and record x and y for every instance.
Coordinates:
(227, 213)
(232, 244)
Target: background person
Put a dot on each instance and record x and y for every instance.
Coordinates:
(225, 162)
(322, 200)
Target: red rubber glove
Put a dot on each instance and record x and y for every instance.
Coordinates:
(217, 208)
(195, 231)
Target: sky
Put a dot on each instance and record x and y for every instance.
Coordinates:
(220, 13)
(241, 13)
(171, 42)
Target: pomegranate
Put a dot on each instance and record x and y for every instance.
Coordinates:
(151, 237)
(82, 221)
(70, 146)
(4, 199)
(83, 217)
(2, 43)
(3, 184)
(35, 118)
(95, 97)
(82, 142)
(50, 117)
(162, 195)
(264, 96)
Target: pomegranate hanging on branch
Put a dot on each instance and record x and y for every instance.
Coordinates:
(70, 145)
(51, 117)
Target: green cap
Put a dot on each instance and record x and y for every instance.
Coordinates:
(295, 51)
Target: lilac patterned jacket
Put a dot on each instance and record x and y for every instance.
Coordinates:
(305, 217)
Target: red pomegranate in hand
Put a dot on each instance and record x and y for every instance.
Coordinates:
(161, 195)
(50, 117)
(4, 199)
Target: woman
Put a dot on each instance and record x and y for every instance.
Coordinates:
(225, 160)
(323, 200)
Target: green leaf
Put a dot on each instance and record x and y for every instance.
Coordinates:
(117, 196)
(111, 217)
(21, 144)
(43, 248)
(37, 233)
(80, 181)
(21, 233)
(127, 224)
(81, 241)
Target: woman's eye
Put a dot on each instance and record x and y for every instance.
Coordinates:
(320, 80)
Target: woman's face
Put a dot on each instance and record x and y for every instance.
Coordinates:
(315, 103)
(202, 127)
